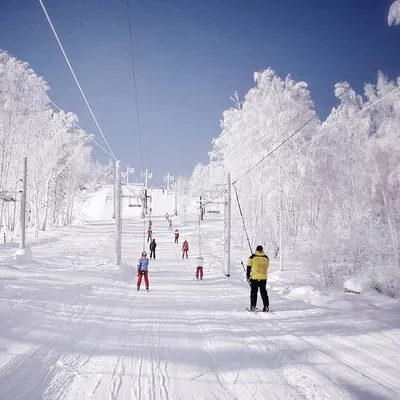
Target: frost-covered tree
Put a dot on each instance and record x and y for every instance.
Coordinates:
(58, 151)
(394, 13)
(357, 158)
(330, 195)
(270, 112)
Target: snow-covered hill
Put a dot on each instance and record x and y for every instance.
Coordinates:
(98, 205)
(73, 325)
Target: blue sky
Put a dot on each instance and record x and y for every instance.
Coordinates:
(190, 58)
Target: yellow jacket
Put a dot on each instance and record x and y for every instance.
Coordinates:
(257, 266)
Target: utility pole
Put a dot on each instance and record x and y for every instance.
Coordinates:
(144, 202)
(280, 238)
(199, 231)
(280, 222)
(117, 200)
(144, 196)
(200, 259)
(176, 199)
(227, 230)
(147, 175)
(22, 218)
(114, 191)
(201, 209)
(169, 179)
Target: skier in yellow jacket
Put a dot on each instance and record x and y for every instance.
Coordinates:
(257, 273)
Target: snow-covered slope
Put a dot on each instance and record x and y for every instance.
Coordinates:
(73, 325)
(98, 205)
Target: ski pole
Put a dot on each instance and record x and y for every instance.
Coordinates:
(245, 273)
(241, 262)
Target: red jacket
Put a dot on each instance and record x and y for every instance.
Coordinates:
(176, 234)
(185, 246)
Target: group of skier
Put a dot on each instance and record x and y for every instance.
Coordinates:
(143, 262)
(256, 273)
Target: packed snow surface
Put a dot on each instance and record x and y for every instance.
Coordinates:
(73, 325)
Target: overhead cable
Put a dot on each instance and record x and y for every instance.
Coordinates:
(89, 136)
(75, 78)
(135, 90)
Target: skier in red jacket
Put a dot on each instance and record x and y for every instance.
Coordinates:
(149, 235)
(185, 249)
(176, 235)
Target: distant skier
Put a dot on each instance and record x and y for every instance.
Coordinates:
(167, 217)
(162, 187)
(143, 270)
(170, 224)
(149, 235)
(199, 271)
(176, 235)
(150, 223)
(257, 272)
(153, 246)
(185, 249)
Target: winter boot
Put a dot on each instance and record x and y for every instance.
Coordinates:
(147, 289)
(266, 309)
(138, 288)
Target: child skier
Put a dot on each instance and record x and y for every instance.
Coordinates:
(199, 270)
(176, 235)
(143, 270)
(185, 249)
(149, 234)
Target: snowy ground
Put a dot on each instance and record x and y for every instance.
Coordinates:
(73, 326)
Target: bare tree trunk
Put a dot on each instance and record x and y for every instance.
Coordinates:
(46, 205)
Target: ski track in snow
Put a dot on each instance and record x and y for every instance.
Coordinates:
(73, 327)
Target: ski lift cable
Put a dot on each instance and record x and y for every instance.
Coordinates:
(134, 81)
(298, 116)
(135, 91)
(75, 78)
(274, 149)
(384, 64)
(89, 136)
(241, 215)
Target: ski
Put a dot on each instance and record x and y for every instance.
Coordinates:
(256, 311)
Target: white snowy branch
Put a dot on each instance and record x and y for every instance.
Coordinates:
(394, 13)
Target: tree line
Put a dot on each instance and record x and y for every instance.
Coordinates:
(331, 193)
(59, 154)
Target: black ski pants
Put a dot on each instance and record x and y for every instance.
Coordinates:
(152, 254)
(255, 284)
